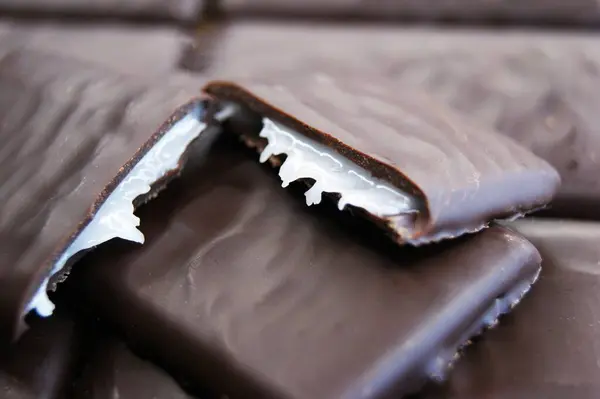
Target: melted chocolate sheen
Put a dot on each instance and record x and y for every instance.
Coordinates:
(466, 175)
(540, 88)
(41, 364)
(112, 371)
(553, 11)
(240, 286)
(549, 348)
(67, 130)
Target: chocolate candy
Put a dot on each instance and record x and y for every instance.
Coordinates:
(136, 50)
(42, 363)
(111, 367)
(80, 146)
(411, 165)
(185, 10)
(549, 347)
(536, 11)
(541, 89)
(241, 287)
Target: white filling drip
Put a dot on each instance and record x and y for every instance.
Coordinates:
(332, 173)
(115, 216)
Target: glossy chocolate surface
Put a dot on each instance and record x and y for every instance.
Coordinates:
(42, 363)
(536, 11)
(465, 176)
(69, 133)
(241, 287)
(550, 347)
(540, 88)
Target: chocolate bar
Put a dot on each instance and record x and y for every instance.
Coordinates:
(241, 287)
(412, 166)
(41, 364)
(549, 347)
(138, 50)
(111, 367)
(525, 11)
(185, 10)
(541, 89)
(80, 148)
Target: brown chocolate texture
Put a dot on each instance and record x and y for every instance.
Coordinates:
(69, 133)
(258, 296)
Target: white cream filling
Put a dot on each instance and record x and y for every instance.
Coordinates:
(332, 173)
(115, 216)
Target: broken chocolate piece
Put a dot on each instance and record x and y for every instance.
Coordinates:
(42, 363)
(111, 367)
(80, 146)
(414, 167)
(549, 347)
(242, 287)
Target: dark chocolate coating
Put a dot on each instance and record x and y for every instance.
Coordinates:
(241, 287)
(69, 134)
(540, 88)
(523, 11)
(550, 347)
(113, 371)
(42, 363)
(186, 10)
(465, 175)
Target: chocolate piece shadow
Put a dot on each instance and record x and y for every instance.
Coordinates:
(80, 147)
(42, 363)
(242, 288)
(111, 367)
(415, 168)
